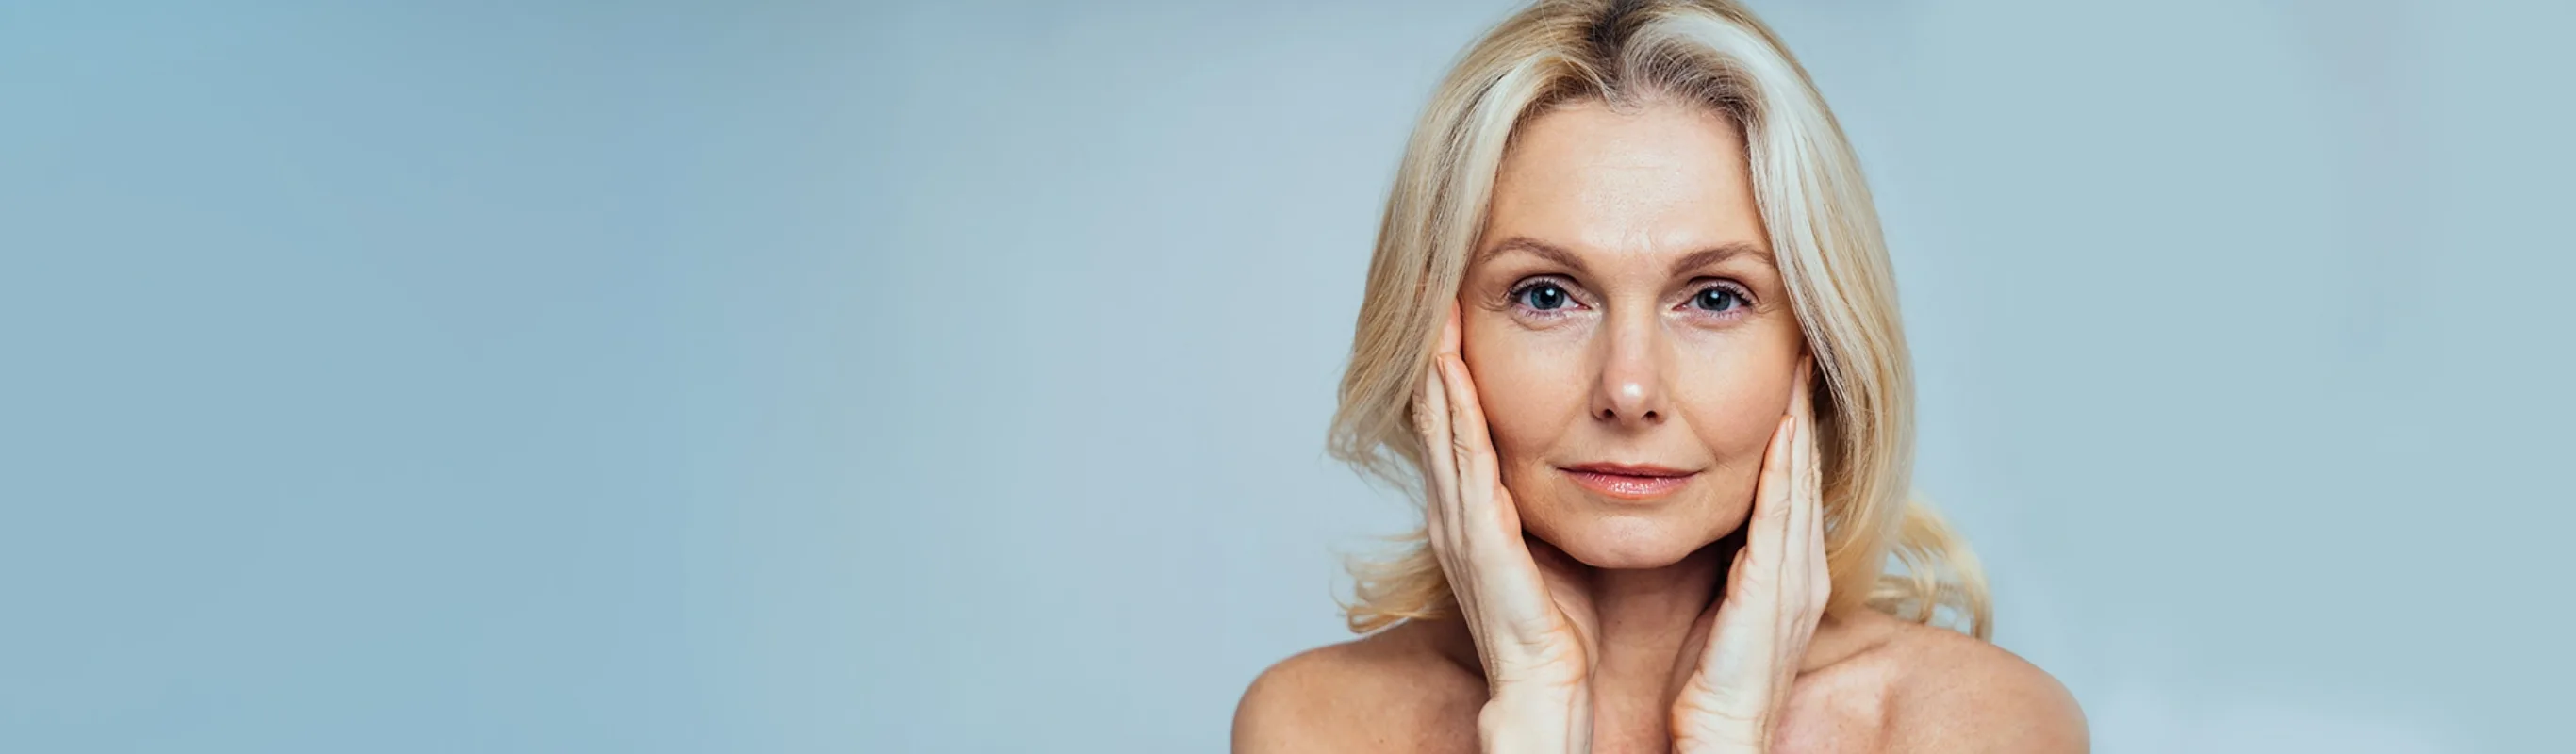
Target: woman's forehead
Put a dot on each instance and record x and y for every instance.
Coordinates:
(1645, 186)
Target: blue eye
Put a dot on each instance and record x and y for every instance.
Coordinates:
(1718, 298)
(1543, 296)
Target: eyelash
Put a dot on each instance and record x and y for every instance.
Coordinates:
(1744, 298)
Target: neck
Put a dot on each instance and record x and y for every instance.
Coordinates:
(1646, 619)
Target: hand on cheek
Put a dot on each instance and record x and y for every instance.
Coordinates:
(1534, 629)
(1757, 634)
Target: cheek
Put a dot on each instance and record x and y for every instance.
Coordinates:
(1735, 400)
(1531, 387)
(1736, 420)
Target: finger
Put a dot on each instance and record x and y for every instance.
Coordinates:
(1802, 455)
(1811, 484)
(1450, 336)
(1488, 568)
(1460, 520)
(1750, 647)
(1748, 616)
(1798, 563)
(1821, 568)
(1490, 534)
(1465, 422)
(1821, 562)
(1443, 520)
(1467, 417)
(1432, 414)
(1801, 502)
(1802, 396)
(1471, 444)
(1773, 498)
(1705, 631)
(1455, 391)
(1739, 643)
(1813, 441)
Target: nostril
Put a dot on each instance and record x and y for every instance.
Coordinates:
(1609, 414)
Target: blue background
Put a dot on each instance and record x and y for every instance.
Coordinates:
(767, 376)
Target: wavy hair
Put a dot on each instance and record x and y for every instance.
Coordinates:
(1814, 204)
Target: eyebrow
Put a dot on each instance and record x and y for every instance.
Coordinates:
(1559, 255)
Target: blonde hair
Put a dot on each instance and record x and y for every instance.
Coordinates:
(1814, 204)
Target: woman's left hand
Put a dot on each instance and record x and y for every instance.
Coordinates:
(1775, 595)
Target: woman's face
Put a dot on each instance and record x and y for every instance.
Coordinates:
(1623, 311)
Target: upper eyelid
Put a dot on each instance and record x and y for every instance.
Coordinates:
(1575, 290)
(1742, 292)
(1737, 288)
(1572, 289)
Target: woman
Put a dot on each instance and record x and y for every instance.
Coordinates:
(1630, 326)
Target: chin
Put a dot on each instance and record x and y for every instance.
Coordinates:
(1629, 541)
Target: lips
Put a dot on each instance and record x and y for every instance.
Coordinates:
(1627, 481)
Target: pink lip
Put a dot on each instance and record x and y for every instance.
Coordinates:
(1629, 482)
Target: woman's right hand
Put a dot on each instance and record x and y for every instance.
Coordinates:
(1532, 620)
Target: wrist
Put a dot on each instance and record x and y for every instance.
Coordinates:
(1536, 721)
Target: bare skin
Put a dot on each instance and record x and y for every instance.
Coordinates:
(1870, 683)
(1624, 309)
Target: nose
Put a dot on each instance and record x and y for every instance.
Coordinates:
(1630, 388)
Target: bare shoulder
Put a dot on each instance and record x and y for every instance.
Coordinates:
(1393, 690)
(1954, 692)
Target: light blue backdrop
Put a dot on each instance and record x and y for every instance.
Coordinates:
(762, 376)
